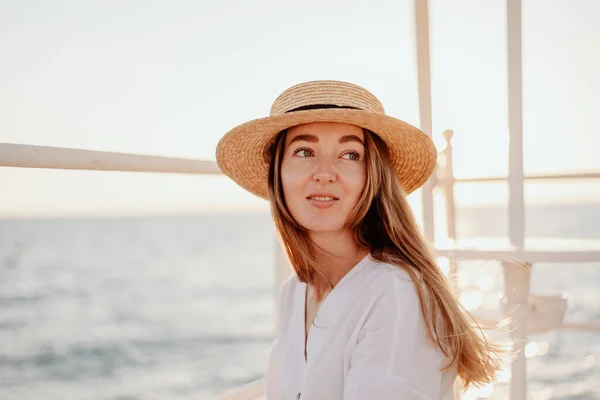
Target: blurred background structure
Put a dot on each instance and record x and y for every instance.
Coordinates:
(130, 285)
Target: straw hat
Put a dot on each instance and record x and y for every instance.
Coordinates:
(242, 153)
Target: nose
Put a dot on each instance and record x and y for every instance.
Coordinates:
(324, 177)
(324, 173)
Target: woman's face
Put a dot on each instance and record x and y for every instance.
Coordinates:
(323, 173)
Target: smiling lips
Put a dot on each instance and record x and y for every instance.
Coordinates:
(322, 200)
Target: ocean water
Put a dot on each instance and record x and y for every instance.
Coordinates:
(181, 307)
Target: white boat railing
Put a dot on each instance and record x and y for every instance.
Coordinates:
(538, 177)
(29, 156)
(529, 313)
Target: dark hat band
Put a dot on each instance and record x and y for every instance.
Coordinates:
(318, 106)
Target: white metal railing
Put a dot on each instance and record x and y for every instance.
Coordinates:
(49, 157)
(540, 177)
(529, 313)
(516, 197)
(29, 156)
(423, 56)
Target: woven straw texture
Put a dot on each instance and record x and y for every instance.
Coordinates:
(242, 153)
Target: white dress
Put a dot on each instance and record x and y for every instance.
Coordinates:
(368, 342)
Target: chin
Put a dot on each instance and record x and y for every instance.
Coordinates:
(323, 226)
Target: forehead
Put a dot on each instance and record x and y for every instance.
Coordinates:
(322, 129)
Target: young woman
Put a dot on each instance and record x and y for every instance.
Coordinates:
(367, 314)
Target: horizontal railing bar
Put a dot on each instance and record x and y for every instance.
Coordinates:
(30, 156)
(581, 326)
(572, 326)
(565, 256)
(587, 175)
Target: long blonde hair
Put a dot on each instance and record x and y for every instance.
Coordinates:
(384, 223)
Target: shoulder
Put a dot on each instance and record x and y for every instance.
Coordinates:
(386, 279)
(390, 293)
(284, 304)
(287, 288)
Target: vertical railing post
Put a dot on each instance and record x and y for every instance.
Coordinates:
(447, 182)
(448, 186)
(516, 178)
(516, 278)
(425, 112)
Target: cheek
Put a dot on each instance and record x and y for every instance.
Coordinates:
(293, 178)
(355, 181)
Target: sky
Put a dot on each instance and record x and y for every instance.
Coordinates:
(171, 77)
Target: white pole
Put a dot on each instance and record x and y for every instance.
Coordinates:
(516, 207)
(28, 156)
(516, 277)
(425, 112)
(448, 186)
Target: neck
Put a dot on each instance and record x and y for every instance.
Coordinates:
(337, 253)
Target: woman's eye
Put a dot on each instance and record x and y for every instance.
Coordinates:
(303, 153)
(352, 156)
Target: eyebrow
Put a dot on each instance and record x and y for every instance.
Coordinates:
(314, 139)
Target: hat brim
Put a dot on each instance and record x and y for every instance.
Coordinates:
(241, 152)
